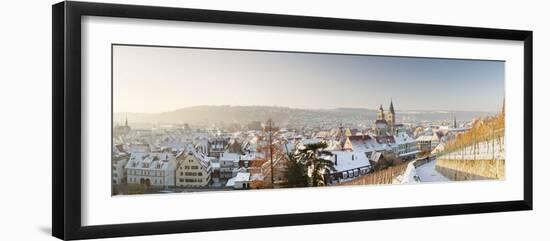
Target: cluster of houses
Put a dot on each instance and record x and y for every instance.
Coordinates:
(194, 158)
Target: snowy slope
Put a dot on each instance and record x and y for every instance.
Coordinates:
(485, 151)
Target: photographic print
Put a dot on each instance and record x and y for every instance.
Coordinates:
(172, 111)
(201, 119)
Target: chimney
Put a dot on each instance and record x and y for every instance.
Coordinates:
(336, 159)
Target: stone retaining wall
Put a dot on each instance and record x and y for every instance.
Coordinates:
(460, 170)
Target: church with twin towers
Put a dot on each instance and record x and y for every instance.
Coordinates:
(385, 121)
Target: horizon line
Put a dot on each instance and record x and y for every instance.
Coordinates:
(301, 108)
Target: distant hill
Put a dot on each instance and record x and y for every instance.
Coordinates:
(283, 115)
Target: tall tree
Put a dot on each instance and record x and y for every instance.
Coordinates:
(269, 130)
(310, 156)
(296, 172)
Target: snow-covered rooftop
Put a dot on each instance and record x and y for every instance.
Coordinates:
(231, 182)
(375, 156)
(347, 160)
(242, 177)
(310, 141)
(228, 156)
(252, 156)
(403, 139)
(151, 161)
(215, 165)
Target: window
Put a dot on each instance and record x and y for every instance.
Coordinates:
(199, 173)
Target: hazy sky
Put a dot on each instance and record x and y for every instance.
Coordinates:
(154, 79)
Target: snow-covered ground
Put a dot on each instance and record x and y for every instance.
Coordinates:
(427, 173)
(408, 176)
(491, 150)
(424, 173)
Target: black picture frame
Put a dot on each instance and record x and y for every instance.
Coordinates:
(66, 127)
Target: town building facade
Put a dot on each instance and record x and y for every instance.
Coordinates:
(194, 169)
(152, 169)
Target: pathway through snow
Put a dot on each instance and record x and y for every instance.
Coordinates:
(427, 173)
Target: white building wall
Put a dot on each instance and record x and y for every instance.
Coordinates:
(191, 173)
(157, 177)
(119, 173)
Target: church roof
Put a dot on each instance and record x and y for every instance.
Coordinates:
(359, 137)
(385, 139)
(381, 122)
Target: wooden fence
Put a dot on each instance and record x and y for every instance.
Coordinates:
(386, 176)
(489, 145)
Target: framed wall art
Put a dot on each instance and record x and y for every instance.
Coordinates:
(169, 120)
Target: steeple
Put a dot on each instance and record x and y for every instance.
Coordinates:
(455, 126)
(390, 118)
(380, 114)
(126, 121)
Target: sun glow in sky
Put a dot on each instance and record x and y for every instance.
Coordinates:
(159, 79)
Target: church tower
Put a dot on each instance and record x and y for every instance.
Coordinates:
(391, 118)
(455, 125)
(380, 114)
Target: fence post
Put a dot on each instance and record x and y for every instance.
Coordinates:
(493, 139)
(392, 176)
(474, 144)
(462, 147)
